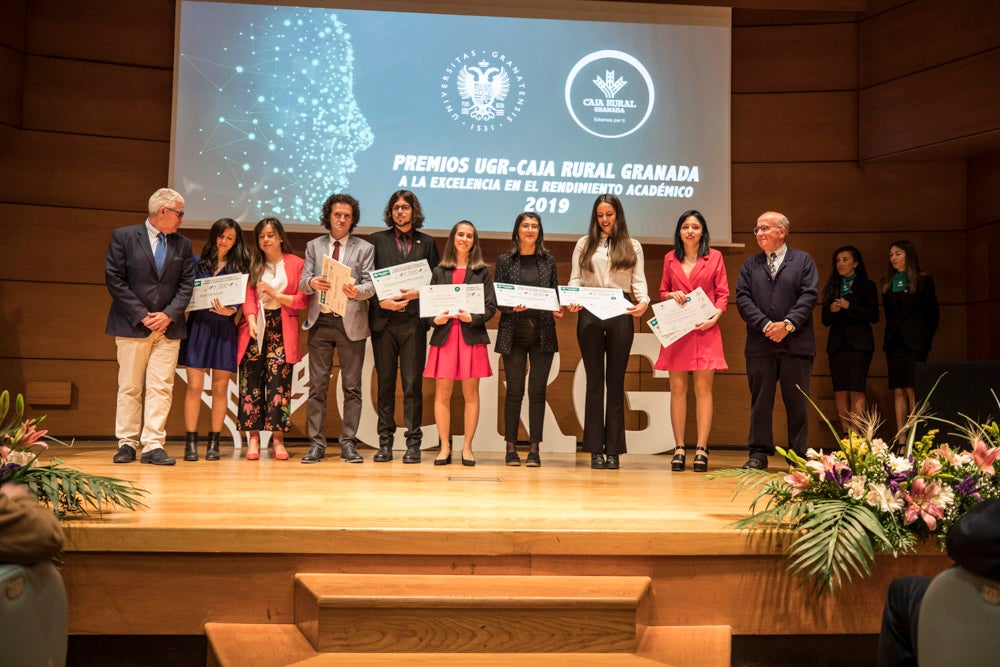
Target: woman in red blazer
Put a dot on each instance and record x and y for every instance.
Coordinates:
(268, 344)
(692, 264)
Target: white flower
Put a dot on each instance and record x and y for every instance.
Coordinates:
(879, 446)
(812, 454)
(856, 487)
(899, 464)
(962, 459)
(880, 496)
(945, 498)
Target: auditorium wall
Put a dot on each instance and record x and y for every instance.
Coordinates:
(85, 96)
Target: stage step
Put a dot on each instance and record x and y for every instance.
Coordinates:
(362, 613)
(274, 645)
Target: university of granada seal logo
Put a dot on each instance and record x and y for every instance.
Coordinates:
(482, 90)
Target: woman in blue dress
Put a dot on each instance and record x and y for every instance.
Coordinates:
(210, 345)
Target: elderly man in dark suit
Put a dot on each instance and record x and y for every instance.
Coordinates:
(776, 293)
(399, 338)
(328, 331)
(150, 275)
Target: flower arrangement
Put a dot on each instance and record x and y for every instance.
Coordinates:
(66, 490)
(833, 512)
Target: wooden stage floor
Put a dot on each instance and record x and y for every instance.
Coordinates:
(335, 507)
(222, 541)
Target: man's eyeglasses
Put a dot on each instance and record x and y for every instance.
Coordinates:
(761, 230)
(179, 214)
(401, 207)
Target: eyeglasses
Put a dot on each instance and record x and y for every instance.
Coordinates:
(179, 214)
(341, 216)
(401, 207)
(530, 227)
(761, 230)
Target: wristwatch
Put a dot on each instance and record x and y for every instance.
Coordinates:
(789, 327)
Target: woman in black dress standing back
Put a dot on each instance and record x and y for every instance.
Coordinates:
(911, 319)
(850, 308)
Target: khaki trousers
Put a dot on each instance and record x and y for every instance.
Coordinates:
(145, 365)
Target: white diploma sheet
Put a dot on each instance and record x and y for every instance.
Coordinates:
(529, 296)
(393, 280)
(603, 302)
(440, 299)
(673, 321)
(229, 289)
(334, 300)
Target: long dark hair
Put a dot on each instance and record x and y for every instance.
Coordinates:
(515, 248)
(831, 290)
(256, 256)
(237, 259)
(703, 245)
(418, 213)
(913, 269)
(621, 254)
(449, 259)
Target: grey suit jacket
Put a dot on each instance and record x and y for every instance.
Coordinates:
(136, 290)
(359, 255)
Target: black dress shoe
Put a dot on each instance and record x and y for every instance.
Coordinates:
(349, 453)
(314, 455)
(126, 454)
(412, 454)
(157, 457)
(597, 461)
(756, 462)
(468, 463)
(191, 446)
(384, 454)
(612, 462)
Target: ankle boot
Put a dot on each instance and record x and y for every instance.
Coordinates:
(191, 446)
(212, 453)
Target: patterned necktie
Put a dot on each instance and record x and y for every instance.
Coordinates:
(772, 263)
(160, 254)
(336, 250)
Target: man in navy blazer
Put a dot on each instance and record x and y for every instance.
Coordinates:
(776, 293)
(346, 333)
(150, 275)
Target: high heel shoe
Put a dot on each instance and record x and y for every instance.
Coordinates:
(680, 457)
(253, 449)
(700, 460)
(279, 454)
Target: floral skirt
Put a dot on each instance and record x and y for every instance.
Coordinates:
(266, 381)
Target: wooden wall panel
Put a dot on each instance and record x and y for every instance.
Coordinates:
(140, 97)
(11, 86)
(113, 31)
(821, 197)
(919, 35)
(82, 172)
(750, 16)
(826, 55)
(794, 127)
(951, 101)
(983, 186)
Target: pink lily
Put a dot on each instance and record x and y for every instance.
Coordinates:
(798, 480)
(921, 503)
(984, 457)
(930, 467)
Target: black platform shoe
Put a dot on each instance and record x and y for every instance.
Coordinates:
(700, 460)
(680, 457)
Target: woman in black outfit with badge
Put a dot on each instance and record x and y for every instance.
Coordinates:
(911, 319)
(850, 307)
(525, 334)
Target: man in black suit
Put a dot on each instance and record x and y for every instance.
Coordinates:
(973, 542)
(776, 293)
(399, 338)
(150, 274)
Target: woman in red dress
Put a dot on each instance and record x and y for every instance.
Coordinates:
(693, 264)
(458, 345)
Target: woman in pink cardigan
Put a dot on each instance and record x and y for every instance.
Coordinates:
(268, 344)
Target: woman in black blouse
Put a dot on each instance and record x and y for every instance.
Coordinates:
(850, 307)
(911, 319)
(525, 335)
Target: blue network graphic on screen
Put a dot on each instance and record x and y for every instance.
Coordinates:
(481, 116)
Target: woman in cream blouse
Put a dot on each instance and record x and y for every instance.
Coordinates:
(607, 257)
